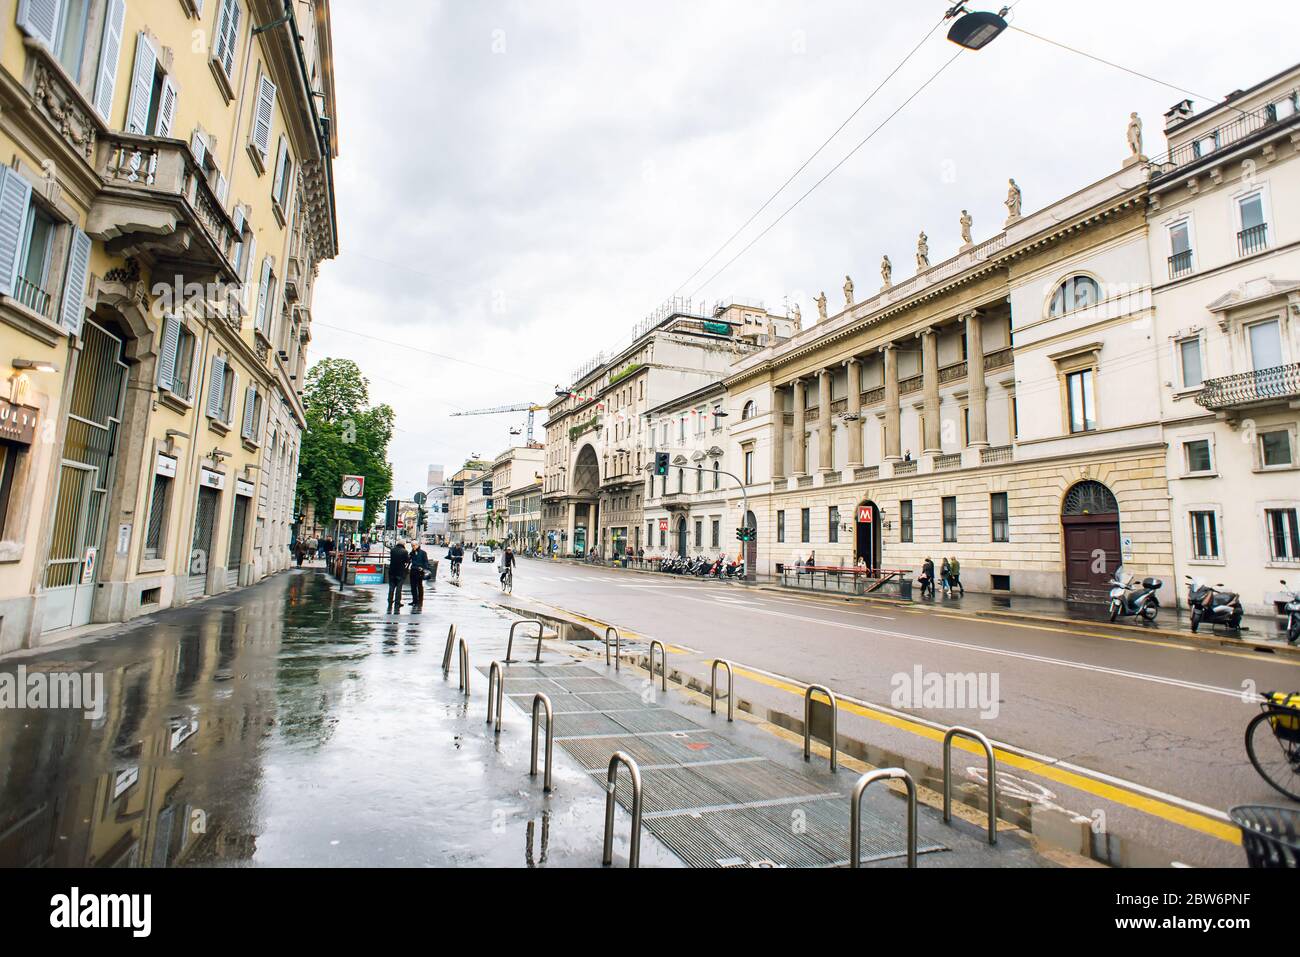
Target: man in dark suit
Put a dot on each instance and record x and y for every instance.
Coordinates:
(398, 565)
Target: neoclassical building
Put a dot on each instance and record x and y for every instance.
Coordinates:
(597, 431)
(1000, 407)
(164, 207)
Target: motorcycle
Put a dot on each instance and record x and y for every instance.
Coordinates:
(1213, 604)
(1292, 609)
(1130, 600)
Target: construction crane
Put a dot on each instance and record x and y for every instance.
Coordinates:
(531, 408)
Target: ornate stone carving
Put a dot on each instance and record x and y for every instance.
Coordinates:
(59, 106)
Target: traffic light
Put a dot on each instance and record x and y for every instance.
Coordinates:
(390, 514)
(421, 518)
(445, 508)
(661, 463)
(746, 535)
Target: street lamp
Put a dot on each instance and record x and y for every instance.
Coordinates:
(974, 31)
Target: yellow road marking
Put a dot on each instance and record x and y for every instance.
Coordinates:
(1139, 802)
(1156, 807)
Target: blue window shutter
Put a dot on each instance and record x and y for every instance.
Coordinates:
(74, 286)
(171, 337)
(40, 19)
(250, 401)
(216, 383)
(110, 54)
(146, 65)
(15, 197)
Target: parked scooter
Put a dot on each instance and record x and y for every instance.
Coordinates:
(1213, 604)
(1292, 609)
(1130, 600)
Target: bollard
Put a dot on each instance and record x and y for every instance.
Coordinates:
(731, 688)
(855, 812)
(634, 849)
(541, 701)
(495, 677)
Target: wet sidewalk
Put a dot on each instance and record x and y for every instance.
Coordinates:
(294, 725)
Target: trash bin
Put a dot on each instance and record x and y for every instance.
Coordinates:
(905, 589)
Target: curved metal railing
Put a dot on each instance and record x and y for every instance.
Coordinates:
(807, 722)
(497, 679)
(510, 645)
(541, 701)
(664, 652)
(855, 812)
(634, 848)
(618, 646)
(731, 688)
(993, 776)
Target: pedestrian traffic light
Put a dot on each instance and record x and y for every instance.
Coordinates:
(661, 463)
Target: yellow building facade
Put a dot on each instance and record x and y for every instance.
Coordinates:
(165, 201)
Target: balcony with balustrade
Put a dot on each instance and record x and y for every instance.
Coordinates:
(156, 203)
(1252, 389)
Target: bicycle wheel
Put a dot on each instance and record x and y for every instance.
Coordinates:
(1277, 761)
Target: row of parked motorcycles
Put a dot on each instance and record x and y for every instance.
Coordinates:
(1209, 604)
(702, 567)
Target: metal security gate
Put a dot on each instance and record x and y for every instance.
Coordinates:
(238, 533)
(205, 524)
(85, 474)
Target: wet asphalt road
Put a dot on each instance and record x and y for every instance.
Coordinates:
(1161, 716)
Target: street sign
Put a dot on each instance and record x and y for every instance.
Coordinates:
(864, 515)
(420, 498)
(663, 524)
(349, 509)
(354, 486)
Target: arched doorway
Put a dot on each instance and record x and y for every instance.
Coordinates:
(681, 537)
(869, 541)
(1090, 531)
(585, 487)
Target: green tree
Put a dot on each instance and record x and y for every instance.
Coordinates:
(345, 436)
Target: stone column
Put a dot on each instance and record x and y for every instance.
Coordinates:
(566, 546)
(893, 411)
(825, 426)
(979, 424)
(800, 439)
(854, 367)
(930, 379)
(778, 433)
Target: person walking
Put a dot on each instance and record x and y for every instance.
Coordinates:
(927, 577)
(945, 577)
(419, 560)
(398, 560)
(299, 552)
(954, 575)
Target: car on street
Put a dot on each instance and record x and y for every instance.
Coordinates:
(484, 554)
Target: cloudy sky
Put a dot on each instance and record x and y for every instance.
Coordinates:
(521, 181)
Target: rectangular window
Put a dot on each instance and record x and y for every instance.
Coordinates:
(699, 533)
(1205, 536)
(1283, 534)
(10, 458)
(805, 525)
(1275, 449)
(1198, 457)
(31, 284)
(998, 513)
(717, 532)
(1265, 345)
(156, 532)
(1189, 357)
(749, 467)
(905, 521)
(1083, 414)
(780, 528)
(1254, 230)
(833, 524)
(1180, 249)
(71, 44)
(950, 519)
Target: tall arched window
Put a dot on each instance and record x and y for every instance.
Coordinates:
(750, 410)
(1077, 292)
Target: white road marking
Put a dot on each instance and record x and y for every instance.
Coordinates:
(1024, 656)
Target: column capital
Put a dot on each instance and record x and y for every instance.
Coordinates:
(888, 347)
(855, 360)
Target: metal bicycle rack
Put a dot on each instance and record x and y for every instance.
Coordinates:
(540, 701)
(496, 677)
(510, 645)
(664, 651)
(446, 652)
(618, 646)
(731, 688)
(807, 722)
(993, 776)
(464, 666)
(634, 850)
(855, 812)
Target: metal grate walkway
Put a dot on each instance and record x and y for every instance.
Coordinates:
(713, 802)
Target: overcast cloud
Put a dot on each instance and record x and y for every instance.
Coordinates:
(523, 180)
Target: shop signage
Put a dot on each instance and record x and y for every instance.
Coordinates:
(243, 488)
(349, 509)
(864, 515)
(212, 479)
(166, 465)
(18, 422)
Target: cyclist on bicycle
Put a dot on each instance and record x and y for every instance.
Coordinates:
(507, 564)
(455, 555)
